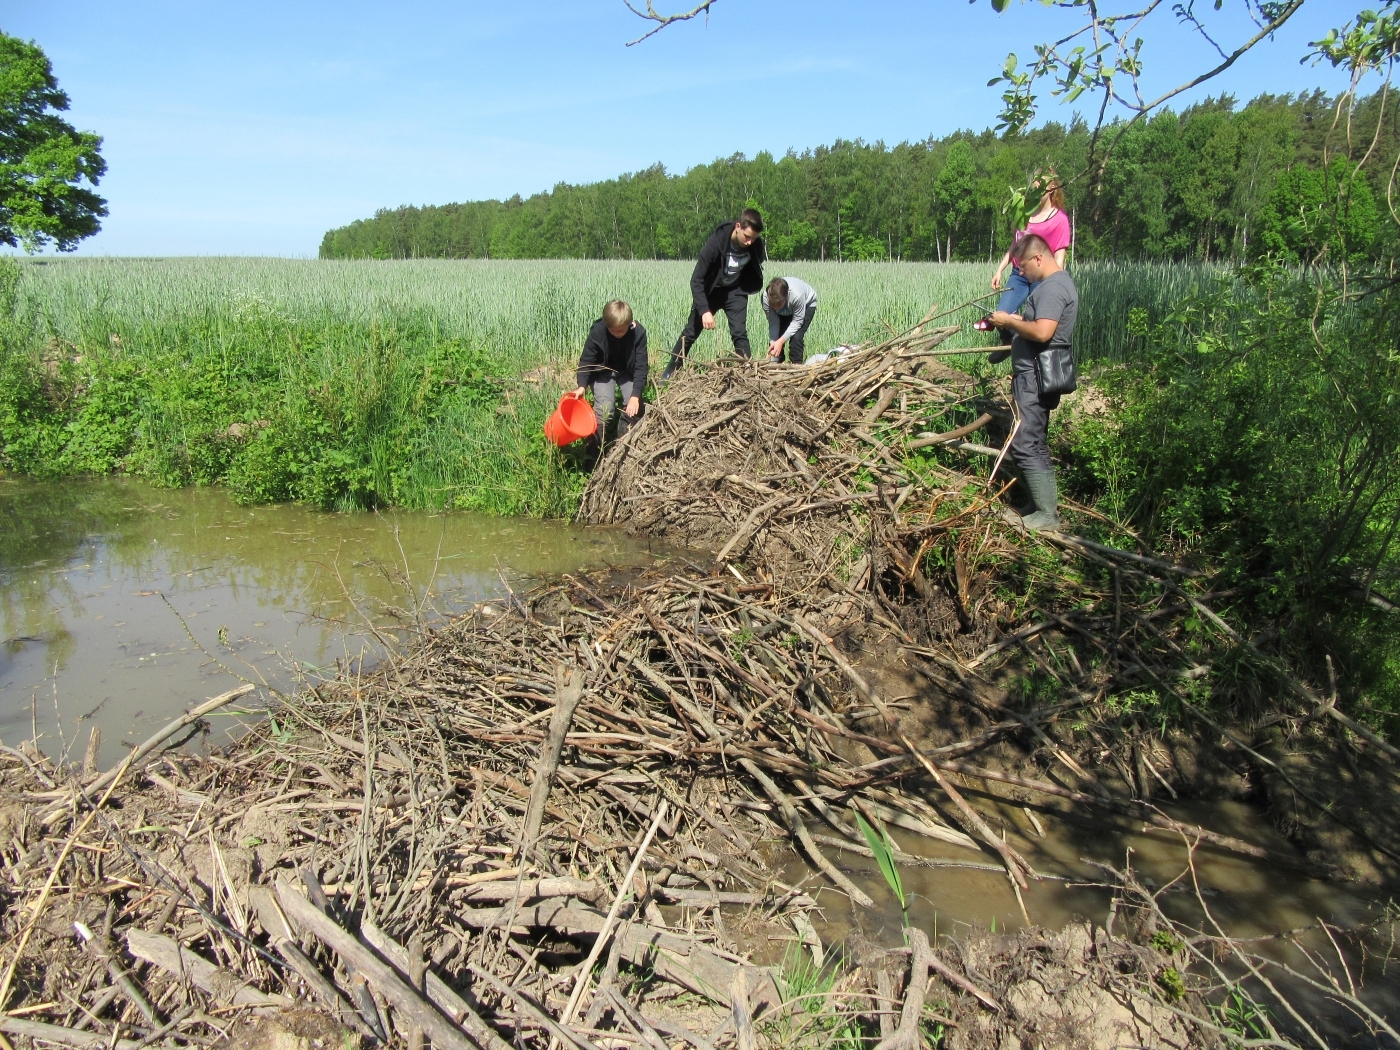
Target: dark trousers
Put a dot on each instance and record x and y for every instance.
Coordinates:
(796, 347)
(1031, 447)
(734, 304)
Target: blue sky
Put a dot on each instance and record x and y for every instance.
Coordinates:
(252, 128)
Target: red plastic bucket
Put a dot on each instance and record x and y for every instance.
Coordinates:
(573, 419)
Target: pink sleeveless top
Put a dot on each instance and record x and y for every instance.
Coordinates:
(1055, 231)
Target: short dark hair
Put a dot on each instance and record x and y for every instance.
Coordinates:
(750, 218)
(1031, 244)
(777, 289)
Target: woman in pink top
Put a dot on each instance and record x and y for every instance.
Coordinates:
(1051, 224)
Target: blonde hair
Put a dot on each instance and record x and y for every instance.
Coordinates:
(616, 314)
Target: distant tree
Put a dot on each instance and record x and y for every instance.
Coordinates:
(1319, 214)
(953, 192)
(46, 165)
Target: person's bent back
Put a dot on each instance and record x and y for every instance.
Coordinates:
(728, 271)
(791, 305)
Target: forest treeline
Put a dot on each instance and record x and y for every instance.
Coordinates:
(1214, 182)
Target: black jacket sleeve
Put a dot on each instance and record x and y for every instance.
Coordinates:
(751, 280)
(593, 364)
(706, 265)
(639, 360)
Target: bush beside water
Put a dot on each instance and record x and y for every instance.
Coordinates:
(1256, 433)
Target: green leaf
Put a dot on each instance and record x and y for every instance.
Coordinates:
(883, 849)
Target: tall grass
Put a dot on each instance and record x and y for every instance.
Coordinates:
(419, 383)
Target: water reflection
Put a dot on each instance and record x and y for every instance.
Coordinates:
(119, 602)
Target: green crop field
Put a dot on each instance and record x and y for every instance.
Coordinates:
(415, 383)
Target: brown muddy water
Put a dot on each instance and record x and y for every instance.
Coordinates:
(1208, 890)
(93, 574)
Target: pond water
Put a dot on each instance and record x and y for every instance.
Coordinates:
(122, 605)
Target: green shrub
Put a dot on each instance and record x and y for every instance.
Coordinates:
(1259, 433)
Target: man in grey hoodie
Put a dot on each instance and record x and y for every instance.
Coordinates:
(791, 304)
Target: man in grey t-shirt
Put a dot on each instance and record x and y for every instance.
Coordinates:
(1043, 329)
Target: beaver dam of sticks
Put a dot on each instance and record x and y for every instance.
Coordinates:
(572, 819)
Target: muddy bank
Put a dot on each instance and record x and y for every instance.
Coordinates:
(572, 819)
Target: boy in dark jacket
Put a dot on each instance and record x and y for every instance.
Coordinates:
(614, 358)
(729, 270)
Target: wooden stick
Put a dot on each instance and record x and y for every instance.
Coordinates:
(1144, 812)
(559, 1031)
(54, 1033)
(952, 435)
(793, 819)
(906, 1036)
(153, 742)
(957, 979)
(436, 989)
(444, 1034)
(569, 685)
(224, 985)
(1363, 731)
(101, 948)
(742, 1011)
(90, 757)
(279, 932)
(585, 972)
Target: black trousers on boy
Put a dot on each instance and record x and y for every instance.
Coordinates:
(733, 302)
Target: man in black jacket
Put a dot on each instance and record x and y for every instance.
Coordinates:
(729, 270)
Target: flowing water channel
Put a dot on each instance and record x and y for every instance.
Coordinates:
(122, 605)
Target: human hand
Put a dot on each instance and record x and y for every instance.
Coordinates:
(1002, 319)
(707, 320)
(634, 405)
(996, 281)
(579, 391)
(775, 349)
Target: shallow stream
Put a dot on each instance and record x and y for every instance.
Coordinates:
(122, 605)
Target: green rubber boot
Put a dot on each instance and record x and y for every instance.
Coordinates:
(1043, 491)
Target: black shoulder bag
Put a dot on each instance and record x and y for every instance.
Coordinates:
(1054, 368)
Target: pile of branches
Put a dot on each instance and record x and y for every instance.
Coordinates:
(593, 775)
(759, 462)
(570, 818)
